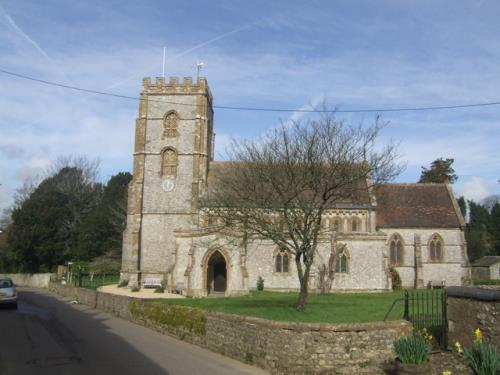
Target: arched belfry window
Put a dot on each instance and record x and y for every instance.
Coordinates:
(436, 248)
(169, 163)
(170, 125)
(396, 250)
(342, 263)
(282, 260)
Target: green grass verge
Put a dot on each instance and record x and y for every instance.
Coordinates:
(327, 308)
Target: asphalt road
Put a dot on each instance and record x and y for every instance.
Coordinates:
(49, 335)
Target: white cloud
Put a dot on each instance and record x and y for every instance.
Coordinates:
(477, 189)
(45, 122)
(33, 168)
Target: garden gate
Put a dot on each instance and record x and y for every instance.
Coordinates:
(427, 309)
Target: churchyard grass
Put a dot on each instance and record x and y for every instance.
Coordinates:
(98, 280)
(324, 308)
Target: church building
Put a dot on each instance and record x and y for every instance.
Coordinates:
(417, 229)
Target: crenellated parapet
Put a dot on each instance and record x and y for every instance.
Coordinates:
(174, 86)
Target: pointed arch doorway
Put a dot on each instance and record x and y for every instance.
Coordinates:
(216, 273)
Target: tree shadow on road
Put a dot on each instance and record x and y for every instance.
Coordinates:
(47, 335)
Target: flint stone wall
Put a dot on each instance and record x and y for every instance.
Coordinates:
(472, 308)
(280, 347)
(81, 295)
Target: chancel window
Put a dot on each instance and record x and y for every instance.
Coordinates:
(169, 163)
(342, 264)
(170, 124)
(282, 260)
(436, 248)
(396, 251)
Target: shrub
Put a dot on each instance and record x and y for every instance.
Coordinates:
(135, 289)
(161, 289)
(260, 283)
(484, 358)
(412, 349)
(396, 279)
(123, 284)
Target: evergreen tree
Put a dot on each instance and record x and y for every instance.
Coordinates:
(101, 232)
(441, 171)
(479, 233)
(495, 224)
(463, 206)
(44, 229)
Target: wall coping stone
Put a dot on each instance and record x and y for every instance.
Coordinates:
(323, 327)
(473, 293)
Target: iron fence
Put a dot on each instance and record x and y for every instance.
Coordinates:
(426, 309)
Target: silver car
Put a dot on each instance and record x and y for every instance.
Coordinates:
(8, 292)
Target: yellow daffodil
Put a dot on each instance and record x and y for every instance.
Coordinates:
(478, 334)
(458, 346)
(447, 372)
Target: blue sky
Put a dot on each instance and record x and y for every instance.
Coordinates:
(291, 54)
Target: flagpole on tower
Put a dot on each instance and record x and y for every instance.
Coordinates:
(198, 69)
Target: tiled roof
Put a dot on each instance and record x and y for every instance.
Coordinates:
(218, 168)
(416, 206)
(486, 261)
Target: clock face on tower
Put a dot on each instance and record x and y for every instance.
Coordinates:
(168, 184)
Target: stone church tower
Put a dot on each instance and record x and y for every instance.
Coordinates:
(173, 147)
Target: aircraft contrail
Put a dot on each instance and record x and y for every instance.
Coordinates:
(25, 36)
(185, 52)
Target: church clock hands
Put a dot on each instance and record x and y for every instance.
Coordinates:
(168, 184)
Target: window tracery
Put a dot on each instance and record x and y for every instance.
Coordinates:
(170, 124)
(436, 248)
(342, 263)
(396, 250)
(169, 163)
(282, 260)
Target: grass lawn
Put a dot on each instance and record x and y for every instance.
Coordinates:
(99, 280)
(328, 308)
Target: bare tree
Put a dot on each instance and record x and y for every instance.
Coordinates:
(88, 176)
(280, 185)
(24, 192)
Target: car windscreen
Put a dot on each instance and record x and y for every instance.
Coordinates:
(5, 283)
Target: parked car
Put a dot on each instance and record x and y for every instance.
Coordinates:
(8, 292)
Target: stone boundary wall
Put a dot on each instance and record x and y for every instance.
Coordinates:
(472, 308)
(85, 296)
(35, 280)
(279, 347)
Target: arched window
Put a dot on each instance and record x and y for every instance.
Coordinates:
(355, 225)
(282, 259)
(209, 220)
(336, 225)
(170, 124)
(396, 250)
(169, 163)
(342, 264)
(436, 248)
